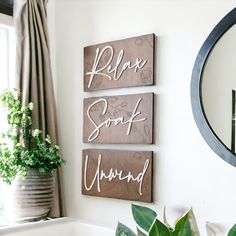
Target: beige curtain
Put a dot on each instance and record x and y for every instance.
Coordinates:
(33, 72)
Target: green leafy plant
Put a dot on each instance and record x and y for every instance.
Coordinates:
(22, 148)
(149, 225)
(214, 229)
(232, 231)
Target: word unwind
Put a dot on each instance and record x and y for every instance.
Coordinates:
(123, 63)
(119, 119)
(117, 174)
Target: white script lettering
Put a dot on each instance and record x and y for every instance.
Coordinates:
(107, 69)
(113, 174)
(116, 121)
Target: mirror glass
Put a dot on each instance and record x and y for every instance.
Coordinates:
(218, 86)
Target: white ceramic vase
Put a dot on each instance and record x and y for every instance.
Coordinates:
(29, 198)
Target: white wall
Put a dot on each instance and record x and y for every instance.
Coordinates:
(187, 172)
(5, 19)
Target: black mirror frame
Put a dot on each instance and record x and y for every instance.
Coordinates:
(196, 98)
(6, 7)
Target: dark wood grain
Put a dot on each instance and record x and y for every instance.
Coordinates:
(139, 163)
(138, 48)
(122, 119)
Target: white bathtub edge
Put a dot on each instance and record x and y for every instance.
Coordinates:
(25, 226)
(89, 223)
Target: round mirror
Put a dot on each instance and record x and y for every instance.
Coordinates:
(213, 89)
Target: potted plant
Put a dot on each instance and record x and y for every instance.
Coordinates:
(232, 231)
(27, 162)
(149, 225)
(214, 229)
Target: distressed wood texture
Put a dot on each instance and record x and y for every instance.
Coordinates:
(119, 119)
(118, 174)
(118, 64)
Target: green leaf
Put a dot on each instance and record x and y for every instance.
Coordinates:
(123, 230)
(211, 229)
(232, 231)
(159, 229)
(140, 233)
(193, 223)
(165, 218)
(143, 216)
(182, 227)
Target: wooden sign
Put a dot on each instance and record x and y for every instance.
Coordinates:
(119, 119)
(117, 174)
(123, 63)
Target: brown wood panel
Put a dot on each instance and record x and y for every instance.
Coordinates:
(119, 119)
(122, 63)
(118, 174)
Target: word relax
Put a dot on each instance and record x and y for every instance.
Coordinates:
(116, 121)
(113, 174)
(107, 70)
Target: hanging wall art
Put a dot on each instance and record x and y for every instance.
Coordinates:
(119, 119)
(118, 64)
(117, 174)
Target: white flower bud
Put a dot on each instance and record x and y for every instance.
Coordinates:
(36, 132)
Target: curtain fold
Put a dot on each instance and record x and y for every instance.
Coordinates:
(34, 75)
